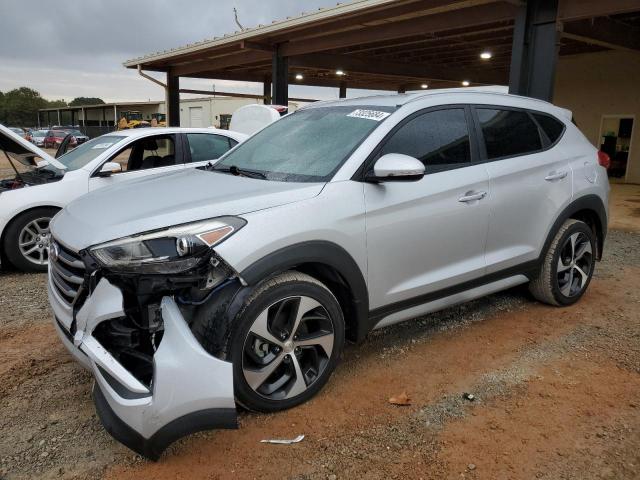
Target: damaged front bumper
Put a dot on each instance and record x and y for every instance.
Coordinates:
(190, 390)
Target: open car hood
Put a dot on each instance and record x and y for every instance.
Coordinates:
(24, 151)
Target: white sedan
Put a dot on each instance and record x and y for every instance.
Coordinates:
(39, 185)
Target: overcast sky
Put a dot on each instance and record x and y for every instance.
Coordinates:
(72, 48)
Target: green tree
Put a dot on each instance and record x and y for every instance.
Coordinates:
(19, 107)
(78, 101)
(56, 103)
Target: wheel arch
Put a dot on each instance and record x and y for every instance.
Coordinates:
(328, 263)
(17, 215)
(589, 209)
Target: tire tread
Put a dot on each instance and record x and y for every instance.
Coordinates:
(541, 287)
(281, 279)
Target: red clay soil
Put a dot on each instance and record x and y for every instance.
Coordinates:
(563, 405)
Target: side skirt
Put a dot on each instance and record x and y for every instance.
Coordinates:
(451, 300)
(430, 302)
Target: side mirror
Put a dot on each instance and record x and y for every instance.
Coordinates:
(396, 167)
(109, 169)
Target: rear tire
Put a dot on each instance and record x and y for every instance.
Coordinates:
(286, 342)
(26, 241)
(567, 267)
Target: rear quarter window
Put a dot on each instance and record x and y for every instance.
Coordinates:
(551, 126)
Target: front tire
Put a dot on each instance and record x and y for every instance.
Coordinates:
(568, 265)
(288, 339)
(27, 240)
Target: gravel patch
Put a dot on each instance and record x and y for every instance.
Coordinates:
(23, 299)
(621, 249)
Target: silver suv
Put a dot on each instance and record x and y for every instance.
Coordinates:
(239, 282)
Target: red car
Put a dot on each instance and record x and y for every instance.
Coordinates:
(54, 138)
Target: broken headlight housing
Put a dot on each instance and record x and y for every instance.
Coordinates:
(169, 251)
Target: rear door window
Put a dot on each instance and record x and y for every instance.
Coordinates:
(205, 146)
(552, 127)
(508, 133)
(439, 139)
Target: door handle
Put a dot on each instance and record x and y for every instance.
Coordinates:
(555, 176)
(472, 196)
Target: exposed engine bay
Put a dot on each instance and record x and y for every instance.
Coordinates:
(133, 339)
(11, 184)
(38, 176)
(26, 172)
(136, 333)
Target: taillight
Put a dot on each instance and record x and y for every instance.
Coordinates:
(603, 159)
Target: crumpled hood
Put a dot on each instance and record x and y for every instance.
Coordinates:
(161, 201)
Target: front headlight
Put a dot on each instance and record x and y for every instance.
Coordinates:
(172, 250)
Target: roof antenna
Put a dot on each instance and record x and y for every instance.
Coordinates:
(235, 14)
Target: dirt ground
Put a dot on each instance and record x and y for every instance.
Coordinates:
(625, 201)
(6, 169)
(556, 394)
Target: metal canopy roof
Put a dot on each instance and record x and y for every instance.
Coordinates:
(98, 106)
(393, 44)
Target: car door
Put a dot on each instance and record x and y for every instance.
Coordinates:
(428, 235)
(150, 155)
(530, 183)
(203, 148)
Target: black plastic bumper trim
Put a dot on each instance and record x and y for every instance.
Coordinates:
(120, 389)
(68, 335)
(65, 332)
(153, 447)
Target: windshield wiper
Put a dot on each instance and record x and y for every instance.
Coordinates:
(241, 172)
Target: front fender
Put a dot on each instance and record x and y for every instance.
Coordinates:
(212, 322)
(319, 252)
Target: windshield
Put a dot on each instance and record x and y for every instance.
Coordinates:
(39, 133)
(75, 132)
(306, 146)
(86, 152)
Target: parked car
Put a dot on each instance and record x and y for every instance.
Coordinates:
(37, 137)
(54, 138)
(78, 135)
(243, 284)
(19, 131)
(113, 158)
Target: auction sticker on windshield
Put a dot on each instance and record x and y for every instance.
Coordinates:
(101, 146)
(374, 115)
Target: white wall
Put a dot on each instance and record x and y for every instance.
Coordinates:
(212, 107)
(597, 84)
